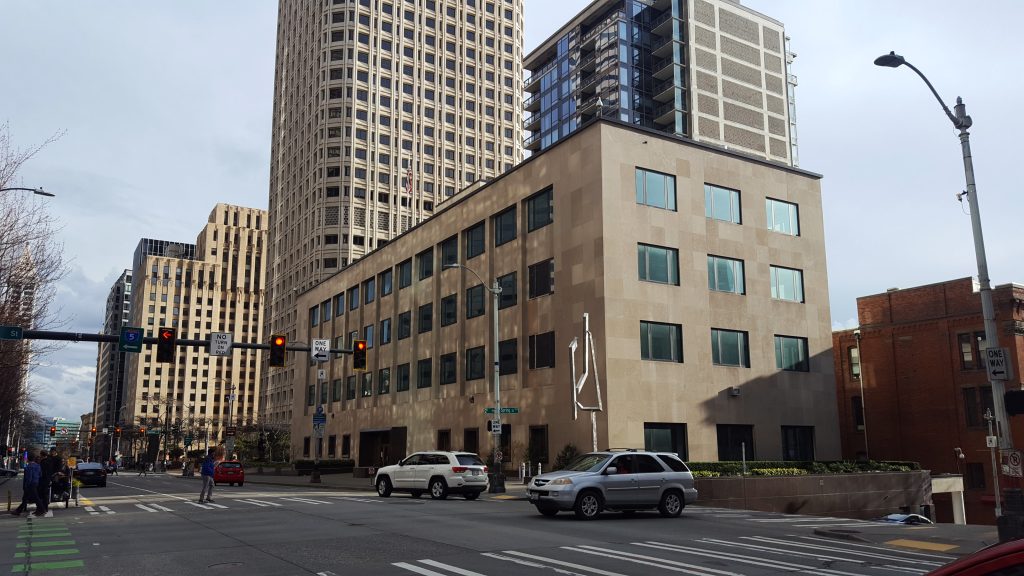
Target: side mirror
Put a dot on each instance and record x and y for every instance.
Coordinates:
(611, 470)
(401, 463)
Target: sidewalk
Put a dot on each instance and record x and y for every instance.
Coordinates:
(953, 539)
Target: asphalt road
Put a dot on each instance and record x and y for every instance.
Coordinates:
(153, 525)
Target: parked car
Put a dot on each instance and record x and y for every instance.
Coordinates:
(91, 474)
(8, 472)
(439, 473)
(911, 519)
(996, 560)
(624, 481)
(229, 472)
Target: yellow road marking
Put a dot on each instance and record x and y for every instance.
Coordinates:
(933, 546)
(503, 497)
(86, 501)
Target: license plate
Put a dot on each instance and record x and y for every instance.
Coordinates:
(476, 472)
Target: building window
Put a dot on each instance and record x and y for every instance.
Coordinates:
(977, 401)
(450, 251)
(325, 310)
(423, 370)
(350, 388)
(404, 325)
(425, 318)
(853, 353)
(475, 363)
(974, 476)
(783, 217)
(537, 444)
(471, 440)
(425, 261)
(449, 310)
(405, 274)
(310, 395)
(339, 304)
(542, 278)
(384, 381)
(730, 348)
(722, 203)
(353, 298)
(314, 316)
(385, 282)
(444, 440)
(346, 445)
(509, 289)
(787, 284)
(726, 275)
(403, 378)
(508, 356)
(336, 390)
(366, 387)
(332, 445)
(657, 264)
(798, 443)
(369, 290)
(305, 446)
(666, 437)
(504, 225)
(542, 350)
(857, 405)
(475, 301)
(385, 331)
(662, 342)
(735, 442)
(655, 189)
(474, 240)
(368, 335)
(447, 373)
(539, 210)
(791, 353)
(970, 350)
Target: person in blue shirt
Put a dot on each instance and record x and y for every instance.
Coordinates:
(30, 487)
(207, 472)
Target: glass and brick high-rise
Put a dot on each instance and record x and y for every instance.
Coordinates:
(383, 109)
(714, 71)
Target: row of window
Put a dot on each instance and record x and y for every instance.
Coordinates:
(658, 190)
(664, 342)
(660, 264)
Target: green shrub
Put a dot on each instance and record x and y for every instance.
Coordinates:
(821, 467)
(778, 472)
(567, 455)
(705, 474)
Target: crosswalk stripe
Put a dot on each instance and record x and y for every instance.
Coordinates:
(197, 505)
(146, 508)
(307, 500)
(877, 554)
(266, 502)
(417, 569)
(650, 561)
(358, 499)
(451, 568)
(810, 554)
(550, 561)
(740, 558)
(163, 508)
(107, 510)
(221, 506)
(91, 511)
(942, 558)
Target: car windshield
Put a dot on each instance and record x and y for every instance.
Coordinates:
(587, 463)
(230, 465)
(469, 460)
(89, 466)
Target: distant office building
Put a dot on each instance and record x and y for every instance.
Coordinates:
(214, 285)
(110, 361)
(703, 273)
(65, 434)
(711, 70)
(382, 111)
(911, 382)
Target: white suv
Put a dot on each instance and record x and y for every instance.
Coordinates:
(440, 473)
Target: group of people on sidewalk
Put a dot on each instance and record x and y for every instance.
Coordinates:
(41, 472)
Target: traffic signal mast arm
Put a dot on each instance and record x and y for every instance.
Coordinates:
(153, 340)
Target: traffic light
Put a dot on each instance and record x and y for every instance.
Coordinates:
(117, 431)
(359, 354)
(53, 431)
(277, 350)
(142, 429)
(166, 342)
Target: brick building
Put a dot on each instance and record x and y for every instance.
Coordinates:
(925, 388)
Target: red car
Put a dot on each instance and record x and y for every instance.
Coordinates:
(996, 560)
(229, 472)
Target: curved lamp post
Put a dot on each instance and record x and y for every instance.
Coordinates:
(962, 122)
(37, 191)
(498, 483)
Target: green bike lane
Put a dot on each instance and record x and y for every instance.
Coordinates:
(39, 545)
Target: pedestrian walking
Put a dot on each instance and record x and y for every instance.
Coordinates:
(143, 468)
(113, 466)
(207, 472)
(29, 487)
(48, 463)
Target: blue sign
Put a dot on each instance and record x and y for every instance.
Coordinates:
(131, 339)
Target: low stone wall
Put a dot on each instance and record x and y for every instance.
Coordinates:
(864, 495)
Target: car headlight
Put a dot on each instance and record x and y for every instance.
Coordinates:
(560, 482)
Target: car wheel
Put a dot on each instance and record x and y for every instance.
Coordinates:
(415, 493)
(438, 489)
(549, 512)
(671, 504)
(471, 495)
(588, 505)
(383, 487)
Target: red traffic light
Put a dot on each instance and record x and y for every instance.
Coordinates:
(360, 344)
(279, 341)
(93, 429)
(359, 355)
(166, 344)
(53, 430)
(277, 350)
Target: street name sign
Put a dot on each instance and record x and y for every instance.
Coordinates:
(490, 410)
(11, 333)
(220, 344)
(319, 350)
(998, 363)
(130, 339)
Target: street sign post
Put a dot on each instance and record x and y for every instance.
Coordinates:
(220, 344)
(130, 339)
(496, 428)
(1012, 463)
(997, 361)
(504, 410)
(319, 350)
(10, 333)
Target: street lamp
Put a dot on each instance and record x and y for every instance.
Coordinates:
(498, 484)
(962, 122)
(36, 191)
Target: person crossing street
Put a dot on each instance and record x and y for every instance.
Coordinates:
(30, 487)
(207, 472)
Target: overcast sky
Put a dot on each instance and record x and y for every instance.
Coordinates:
(167, 111)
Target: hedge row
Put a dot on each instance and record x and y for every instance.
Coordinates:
(787, 468)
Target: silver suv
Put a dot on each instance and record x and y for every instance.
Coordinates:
(439, 473)
(626, 481)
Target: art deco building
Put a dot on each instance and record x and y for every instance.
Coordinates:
(711, 70)
(110, 361)
(703, 274)
(214, 285)
(383, 109)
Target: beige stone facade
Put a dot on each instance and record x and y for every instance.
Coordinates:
(669, 389)
(383, 109)
(215, 285)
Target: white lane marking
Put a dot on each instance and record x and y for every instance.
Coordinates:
(358, 499)
(803, 519)
(450, 568)
(159, 507)
(107, 510)
(197, 505)
(551, 561)
(307, 500)
(265, 502)
(216, 505)
(753, 560)
(651, 561)
(944, 558)
(146, 508)
(92, 511)
(814, 555)
(880, 554)
(417, 569)
(829, 525)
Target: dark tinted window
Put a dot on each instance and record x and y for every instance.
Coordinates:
(675, 464)
(229, 465)
(469, 459)
(645, 463)
(624, 465)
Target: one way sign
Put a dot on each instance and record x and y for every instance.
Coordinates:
(998, 362)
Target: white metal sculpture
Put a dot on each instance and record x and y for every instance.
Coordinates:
(577, 384)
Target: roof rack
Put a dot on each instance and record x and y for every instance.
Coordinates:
(620, 449)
